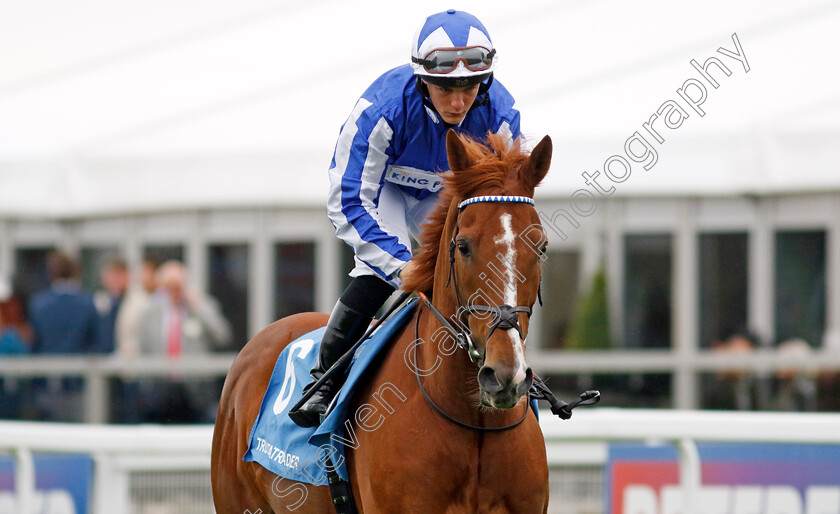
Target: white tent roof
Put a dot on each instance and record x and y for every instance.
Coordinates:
(162, 104)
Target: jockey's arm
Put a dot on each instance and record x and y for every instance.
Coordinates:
(357, 176)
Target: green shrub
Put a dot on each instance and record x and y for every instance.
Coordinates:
(589, 328)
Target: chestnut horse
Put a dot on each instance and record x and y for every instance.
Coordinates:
(440, 429)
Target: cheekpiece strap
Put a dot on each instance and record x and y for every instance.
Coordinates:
(496, 198)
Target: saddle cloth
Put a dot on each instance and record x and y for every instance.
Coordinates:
(301, 454)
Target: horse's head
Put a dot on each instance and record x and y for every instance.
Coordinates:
(482, 254)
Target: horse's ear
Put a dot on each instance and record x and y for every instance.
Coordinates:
(539, 161)
(456, 152)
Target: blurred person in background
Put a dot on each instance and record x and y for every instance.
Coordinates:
(64, 318)
(126, 395)
(136, 302)
(13, 328)
(64, 321)
(108, 300)
(737, 389)
(13, 308)
(384, 176)
(180, 322)
(795, 390)
(12, 342)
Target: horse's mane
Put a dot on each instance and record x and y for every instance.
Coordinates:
(495, 170)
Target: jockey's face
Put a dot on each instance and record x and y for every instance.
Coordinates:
(452, 103)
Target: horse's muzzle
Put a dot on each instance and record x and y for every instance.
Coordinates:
(498, 390)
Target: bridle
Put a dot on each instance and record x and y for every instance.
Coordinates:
(505, 317)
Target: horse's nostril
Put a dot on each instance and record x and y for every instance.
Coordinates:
(488, 381)
(525, 385)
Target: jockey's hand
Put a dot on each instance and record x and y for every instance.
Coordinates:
(407, 270)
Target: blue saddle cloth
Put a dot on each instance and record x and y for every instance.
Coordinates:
(300, 454)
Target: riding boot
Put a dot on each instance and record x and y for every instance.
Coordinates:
(344, 329)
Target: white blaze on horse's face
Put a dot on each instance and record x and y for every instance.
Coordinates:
(508, 241)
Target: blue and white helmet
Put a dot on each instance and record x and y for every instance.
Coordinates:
(453, 49)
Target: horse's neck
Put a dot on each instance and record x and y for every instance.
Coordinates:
(448, 376)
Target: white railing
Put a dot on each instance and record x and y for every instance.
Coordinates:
(97, 370)
(685, 367)
(118, 451)
(115, 450)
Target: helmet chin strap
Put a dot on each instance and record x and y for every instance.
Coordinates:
(485, 86)
(421, 88)
(481, 98)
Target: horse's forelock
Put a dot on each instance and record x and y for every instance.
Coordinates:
(493, 169)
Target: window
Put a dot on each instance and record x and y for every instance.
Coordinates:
(294, 283)
(227, 282)
(800, 286)
(92, 260)
(647, 291)
(722, 286)
(561, 276)
(31, 275)
(164, 252)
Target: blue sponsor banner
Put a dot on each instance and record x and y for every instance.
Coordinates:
(63, 483)
(737, 478)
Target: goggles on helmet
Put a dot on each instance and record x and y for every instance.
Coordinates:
(474, 58)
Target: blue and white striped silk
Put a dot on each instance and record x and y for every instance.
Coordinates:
(390, 131)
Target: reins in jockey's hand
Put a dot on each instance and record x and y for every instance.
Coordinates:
(341, 364)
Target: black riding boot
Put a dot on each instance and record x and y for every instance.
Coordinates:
(344, 329)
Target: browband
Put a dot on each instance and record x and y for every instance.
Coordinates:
(496, 198)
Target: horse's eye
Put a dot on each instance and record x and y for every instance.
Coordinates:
(544, 249)
(464, 248)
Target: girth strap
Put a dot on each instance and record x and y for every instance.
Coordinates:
(340, 491)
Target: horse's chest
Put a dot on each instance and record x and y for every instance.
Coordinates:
(436, 476)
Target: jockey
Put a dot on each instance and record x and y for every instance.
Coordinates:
(384, 175)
